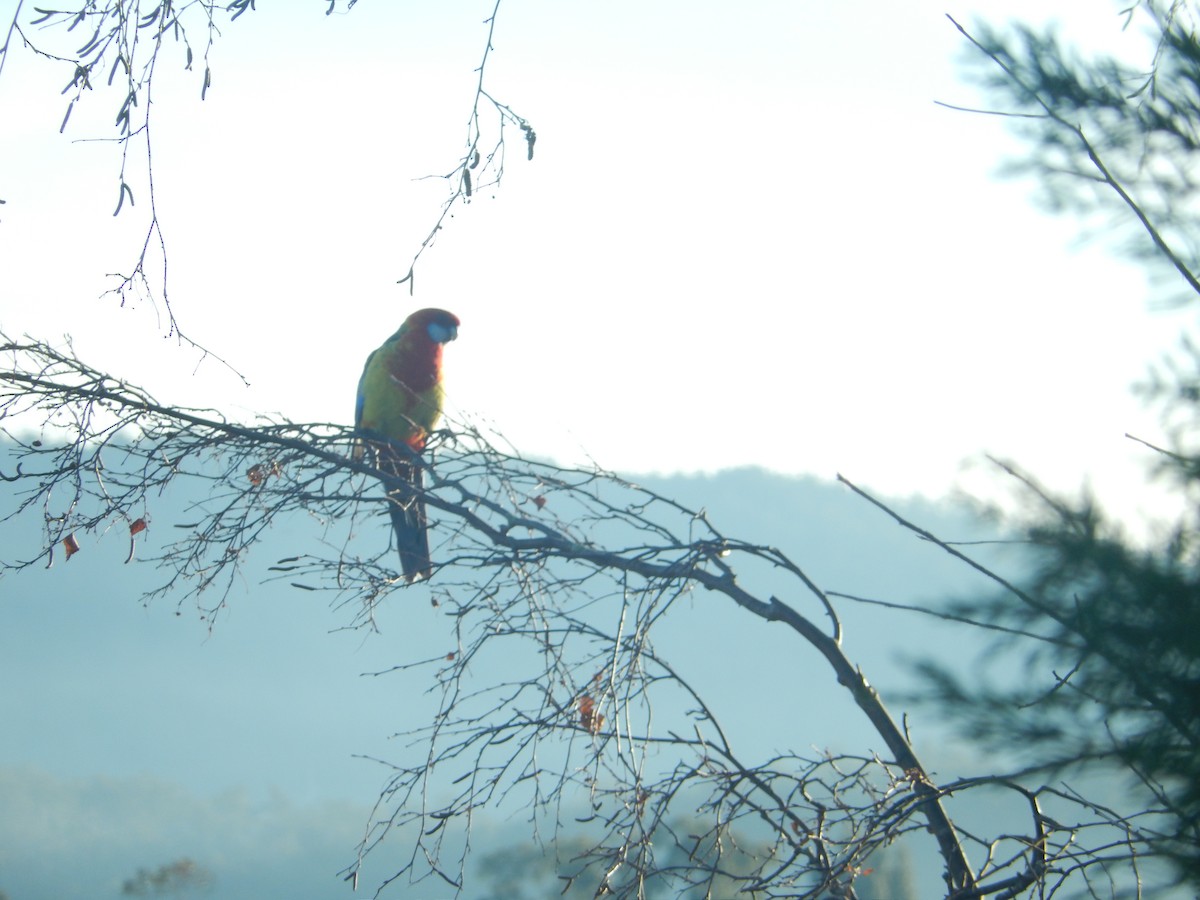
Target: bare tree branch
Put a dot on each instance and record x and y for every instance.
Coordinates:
(127, 41)
(564, 574)
(479, 168)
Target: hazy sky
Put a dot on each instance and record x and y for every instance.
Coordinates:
(748, 235)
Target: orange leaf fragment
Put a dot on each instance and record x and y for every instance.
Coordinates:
(588, 717)
(70, 545)
(137, 527)
(539, 501)
(258, 473)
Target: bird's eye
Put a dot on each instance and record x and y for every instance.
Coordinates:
(441, 334)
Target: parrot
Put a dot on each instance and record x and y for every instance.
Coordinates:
(399, 403)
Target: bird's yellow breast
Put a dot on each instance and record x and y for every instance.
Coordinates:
(393, 409)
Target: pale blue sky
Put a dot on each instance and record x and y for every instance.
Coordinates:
(746, 237)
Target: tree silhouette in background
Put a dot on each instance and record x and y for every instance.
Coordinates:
(1106, 627)
(179, 878)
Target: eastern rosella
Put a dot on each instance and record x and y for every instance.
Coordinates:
(399, 403)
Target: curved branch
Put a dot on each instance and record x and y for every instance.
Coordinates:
(576, 567)
(1106, 175)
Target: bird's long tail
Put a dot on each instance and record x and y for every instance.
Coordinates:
(404, 486)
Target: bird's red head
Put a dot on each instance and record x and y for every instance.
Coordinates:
(439, 325)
